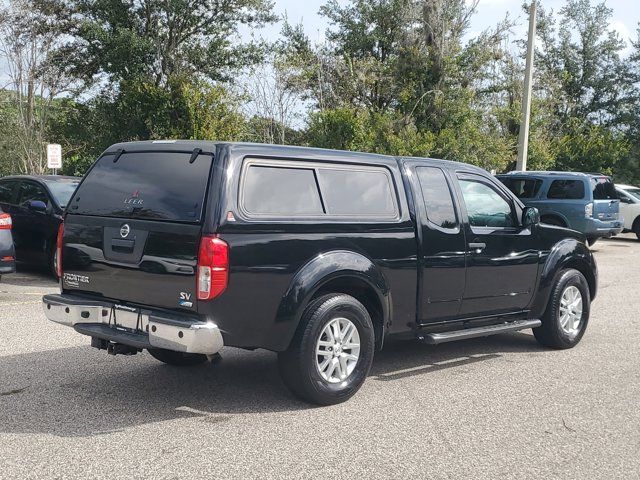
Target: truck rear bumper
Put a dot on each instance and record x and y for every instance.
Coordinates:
(138, 328)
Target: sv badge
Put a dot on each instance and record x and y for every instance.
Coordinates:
(185, 300)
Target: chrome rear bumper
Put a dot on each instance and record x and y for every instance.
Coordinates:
(139, 328)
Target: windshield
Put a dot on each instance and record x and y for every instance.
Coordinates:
(634, 192)
(62, 189)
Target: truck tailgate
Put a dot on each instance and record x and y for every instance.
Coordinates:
(155, 264)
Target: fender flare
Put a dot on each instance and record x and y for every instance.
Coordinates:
(567, 253)
(320, 270)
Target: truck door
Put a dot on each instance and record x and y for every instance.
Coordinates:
(442, 245)
(503, 256)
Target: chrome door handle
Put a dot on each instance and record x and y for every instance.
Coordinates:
(477, 246)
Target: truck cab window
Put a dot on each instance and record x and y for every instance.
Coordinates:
(437, 197)
(485, 206)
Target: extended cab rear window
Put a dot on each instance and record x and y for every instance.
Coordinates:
(147, 185)
(281, 191)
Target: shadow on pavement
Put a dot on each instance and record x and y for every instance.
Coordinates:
(624, 239)
(27, 276)
(81, 391)
(401, 359)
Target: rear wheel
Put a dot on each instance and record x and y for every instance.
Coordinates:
(332, 351)
(565, 319)
(178, 359)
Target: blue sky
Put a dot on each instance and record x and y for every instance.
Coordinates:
(626, 15)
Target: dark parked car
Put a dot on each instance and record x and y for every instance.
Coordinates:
(7, 254)
(585, 202)
(182, 247)
(36, 203)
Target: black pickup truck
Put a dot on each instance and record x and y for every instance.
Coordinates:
(181, 247)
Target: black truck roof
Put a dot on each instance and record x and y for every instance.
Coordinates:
(263, 149)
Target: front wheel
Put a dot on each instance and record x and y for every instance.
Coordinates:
(332, 351)
(178, 359)
(565, 319)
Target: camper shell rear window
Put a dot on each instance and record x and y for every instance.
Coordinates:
(152, 185)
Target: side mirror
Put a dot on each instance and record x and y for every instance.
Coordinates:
(530, 216)
(37, 206)
(624, 199)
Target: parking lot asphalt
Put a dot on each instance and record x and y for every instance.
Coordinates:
(485, 408)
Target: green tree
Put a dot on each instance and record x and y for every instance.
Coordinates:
(583, 87)
(156, 41)
(580, 68)
(396, 76)
(141, 111)
(153, 69)
(33, 81)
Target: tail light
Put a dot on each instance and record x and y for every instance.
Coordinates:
(5, 221)
(588, 210)
(59, 250)
(213, 267)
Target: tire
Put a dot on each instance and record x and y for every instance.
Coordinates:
(553, 221)
(552, 333)
(177, 359)
(53, 268)
(592, 241)
(300, 366)
(636, 228)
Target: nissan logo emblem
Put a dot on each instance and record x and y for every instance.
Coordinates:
(124, 231)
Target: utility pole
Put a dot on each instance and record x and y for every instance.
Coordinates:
(523, 137)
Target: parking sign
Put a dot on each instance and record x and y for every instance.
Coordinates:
(54, 156)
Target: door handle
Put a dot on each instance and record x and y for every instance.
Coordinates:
(122, 246)
(477, 246)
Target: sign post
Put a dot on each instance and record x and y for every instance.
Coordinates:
(54, 157)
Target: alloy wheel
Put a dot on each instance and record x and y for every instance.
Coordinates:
(337, 350)
(571, 310)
